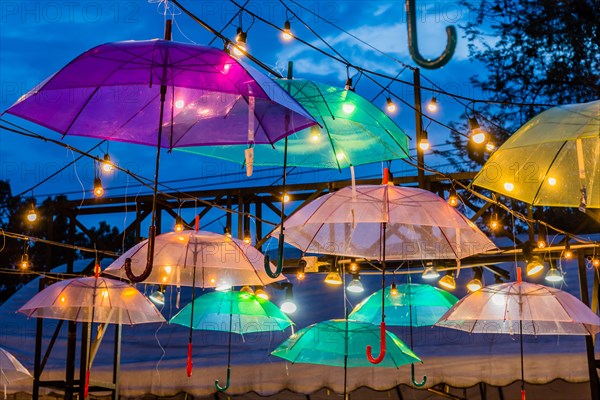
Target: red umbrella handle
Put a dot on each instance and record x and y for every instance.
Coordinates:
(522, 394)
(190, 365)
(382, 347)
(86, 388)
(149, 261)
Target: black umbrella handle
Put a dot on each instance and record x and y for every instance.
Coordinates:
(279, 267)
(149, 260)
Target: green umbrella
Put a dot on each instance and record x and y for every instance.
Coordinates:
(340, 343)
(552, 160)
(353, 132)
(426, 302)
(233, 312)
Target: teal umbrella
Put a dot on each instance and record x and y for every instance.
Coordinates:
(233, 312)
(425, 302)
(353, 132)
(405, 305)
(341, 343)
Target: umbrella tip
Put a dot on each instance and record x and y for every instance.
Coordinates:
(519, 275)
(388, 179)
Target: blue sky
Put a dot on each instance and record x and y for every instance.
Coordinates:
(38, 37)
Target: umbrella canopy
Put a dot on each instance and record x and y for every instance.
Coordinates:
(353, 132)
(113, 92)
(250, 313)
(503, 307)
(324, 343)
(552, 160)
(11, 369)
(91, 299)
(202, 259)
(426, 302)
(420, 225)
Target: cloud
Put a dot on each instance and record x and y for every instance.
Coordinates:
(381, 9)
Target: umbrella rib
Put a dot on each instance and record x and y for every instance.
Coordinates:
(547, 171)
(80, 111)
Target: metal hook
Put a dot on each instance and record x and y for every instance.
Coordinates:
(412, 376)
(413, 45)
(382, 346)
(222, 389)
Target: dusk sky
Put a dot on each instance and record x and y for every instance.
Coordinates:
(37, 38)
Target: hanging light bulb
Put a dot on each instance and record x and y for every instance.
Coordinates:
(534, 266)
(430, 272)
(541, 243)
(552, 181)
(247, 237)
(568, 253)
(432, 106)
(424, 142)
(348, 108)
(553, 274)
(596, 262)
(453, 198)
(31, 214)
(390, 105)
(393, 290)
(247, 289)
(98, 189)
(287, 31)
(494, 222)
(300, 275)
(240, 46)
(260, 292)
(178, 224)
(478, 135)
(348, 85)
(475, 284)
(333, 278)
(448, 281)
(107, 165)
(353, 266)
(24, 264)
(227, 231)
(289, 306)
(355, 286)
(286, 198)
(315, 133)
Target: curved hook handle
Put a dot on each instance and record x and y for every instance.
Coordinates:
(382, 346)
(413, 45)
(190, 364)
(412, 376)
(222, 389)
(149, 260)
(277, 272)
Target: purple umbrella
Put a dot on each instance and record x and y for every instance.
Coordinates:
(166, 94)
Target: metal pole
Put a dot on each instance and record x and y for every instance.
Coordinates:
(419, 128)
(589, 340)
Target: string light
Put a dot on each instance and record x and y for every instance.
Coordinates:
(596, 262)
(24, 264)
(32, 214)
(552, 181)
(430, 272)
(353, 266)
(98, 189)
(240, 38)
(247, 237)
(286, 198)
(478, 135)
(432, 106)
(227, 232)
(287, 31)
(390, 105)
(348, 85)
(568, 253)
(300, 275)
(107, 165)
(393, 290)
(494, 222)
(178, 224)
(289, 306)
(315, 133)
(348, 108)
(453, 198)
(508, 186)
(424, 142)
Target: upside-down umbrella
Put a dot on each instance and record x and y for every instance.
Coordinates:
(94, 300)
(552, 160)
(165, 94)
(521, 307)
(197, 258)
(409, 305)
(380, 222)
(353, 132)
(233, 312)
(11, 369)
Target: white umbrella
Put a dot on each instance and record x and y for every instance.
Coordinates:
(201, 259)
(11, 369)
(522, 307)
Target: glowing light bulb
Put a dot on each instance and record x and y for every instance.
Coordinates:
(424, 144)
(31, 214)
(261, 293)
(287, 32)
(179, 104)
(300, 275)
(353, 266)
(105, 293)
(178, 225)
(98, 189)
(508, 186)
(432, 106)
(551, 181)
(62, 299)
(168, 269)
(453, 200)
(107, 165)
(315, 134)
(24, 261)
(596, 262)
(393, 290)
(348, 108)
(489, 146)
(541, 243)
(494, 223)
(340, 156)
(226, 68)
(286, 198)
(212, 281)
(390, 106)
(478, 137)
